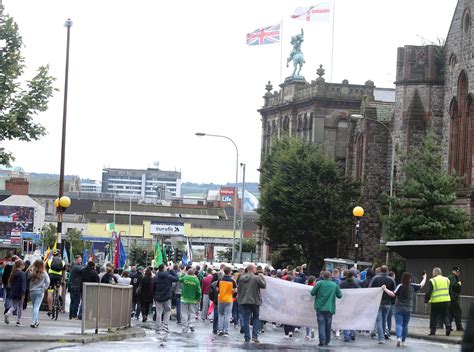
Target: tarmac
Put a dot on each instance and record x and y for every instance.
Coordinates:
(69, 331)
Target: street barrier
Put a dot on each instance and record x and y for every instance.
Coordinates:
(105, 306)
(424, 309)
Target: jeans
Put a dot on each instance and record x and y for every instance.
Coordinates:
(17, 305)
(348, 335)
(389, 319)
(225, 311)
(240, 310)
(189, 315)
(381, 322)
(75, 295)
(205, 306)
(177, 297)
(7, 301)
(251, 310)
(401, 319)
(235, 313)
(324, 326)
(36, 299)
(215, 321)
(160, 308)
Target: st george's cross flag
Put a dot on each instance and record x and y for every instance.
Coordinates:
(318, 12)
(267, 35)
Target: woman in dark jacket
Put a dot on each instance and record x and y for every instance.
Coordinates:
(146, 294)
(109, 277)
(17, 282)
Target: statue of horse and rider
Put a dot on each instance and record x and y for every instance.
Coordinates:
(296, 55)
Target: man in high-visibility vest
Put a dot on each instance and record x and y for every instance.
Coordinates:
(438, 296)
(56, 272)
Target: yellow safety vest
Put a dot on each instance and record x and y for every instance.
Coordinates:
(440, 289)
(51, 271)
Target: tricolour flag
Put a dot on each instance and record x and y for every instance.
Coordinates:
(65, 258)
(46, 256)
(110, 227)
(267, 35)
(318, 12)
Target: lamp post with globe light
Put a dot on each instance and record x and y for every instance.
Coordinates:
(62, 202)
(358, 213)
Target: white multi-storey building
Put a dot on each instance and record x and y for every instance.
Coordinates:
(149, 183)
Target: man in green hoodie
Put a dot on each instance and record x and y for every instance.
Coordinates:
(325, 293)
(190, 298)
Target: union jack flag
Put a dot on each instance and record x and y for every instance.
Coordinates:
(267, 35)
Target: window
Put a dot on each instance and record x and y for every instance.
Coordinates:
(460, 144)
(466, 22)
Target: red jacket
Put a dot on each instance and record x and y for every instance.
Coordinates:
(206, 284)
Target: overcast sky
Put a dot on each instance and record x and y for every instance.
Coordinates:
(145, 75)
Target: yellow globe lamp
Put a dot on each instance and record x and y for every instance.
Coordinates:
(358, 212)
(64, 202)
(56, 203)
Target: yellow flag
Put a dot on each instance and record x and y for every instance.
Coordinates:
(46, 256)
(55, 245)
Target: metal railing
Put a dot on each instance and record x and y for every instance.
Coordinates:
(420, 307)
(105, 306)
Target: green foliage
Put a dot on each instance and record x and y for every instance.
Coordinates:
(248, 245)
(137, 256)
(306, 202)
(73, 236)
(423, 208)
(18, 105)
(49, 235)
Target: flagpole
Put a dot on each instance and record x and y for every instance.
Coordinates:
(281, 51)
(332, 39)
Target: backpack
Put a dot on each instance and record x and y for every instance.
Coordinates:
(56, 264)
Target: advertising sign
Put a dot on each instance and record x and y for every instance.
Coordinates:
(167, 228)
(227, 191)
(227, 199)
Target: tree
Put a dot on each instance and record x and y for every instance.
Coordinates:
(249, 245)
(19, 105)
(49, 235)
(306, 202)
(423, 208)
(74, 237)
(140, 256)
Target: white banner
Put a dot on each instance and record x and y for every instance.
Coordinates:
(290, 303)
(167, 228)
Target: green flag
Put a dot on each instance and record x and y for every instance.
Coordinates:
(110, 227)
(158, 255)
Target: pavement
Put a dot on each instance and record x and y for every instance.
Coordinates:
(65, 333)
(61, 330)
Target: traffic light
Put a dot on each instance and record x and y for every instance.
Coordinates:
(178, 255)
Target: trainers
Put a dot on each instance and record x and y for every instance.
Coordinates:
(399, 342)
(287, 337)
(226, 334)
(274, 326)
(165, 329)
(7, 319)
(290, 334)
(220, 333)
(18, 324)
(306, 337)
(312, 333)
(255, 340)
(191, 328)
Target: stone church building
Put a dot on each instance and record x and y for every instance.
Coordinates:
(432, 91)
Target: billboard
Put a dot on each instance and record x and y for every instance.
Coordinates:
(167, 228)
(227, 191)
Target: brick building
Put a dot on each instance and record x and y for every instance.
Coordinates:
(432, 91)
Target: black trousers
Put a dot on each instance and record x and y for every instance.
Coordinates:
(439, 312)
(455, 313)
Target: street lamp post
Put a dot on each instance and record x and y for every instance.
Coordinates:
(242, 212)
(358, 213)
(60, 208)
(392, 164)
(200, 134)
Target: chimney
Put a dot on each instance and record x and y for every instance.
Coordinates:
(17, 186)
